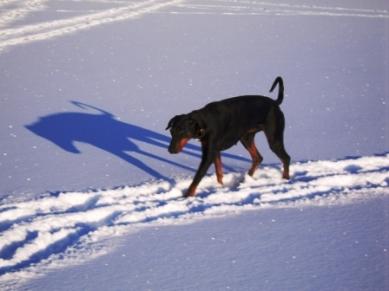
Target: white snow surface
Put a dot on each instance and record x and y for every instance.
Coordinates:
(90, 199)
(47, 232)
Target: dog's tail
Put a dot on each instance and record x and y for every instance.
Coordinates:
(278, 81)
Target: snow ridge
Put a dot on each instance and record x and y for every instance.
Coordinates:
(50, 29)
(59, 226)
(16, 10)
(22, 9)
(258, 8)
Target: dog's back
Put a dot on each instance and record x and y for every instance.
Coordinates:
(243, 113)
(231, 118)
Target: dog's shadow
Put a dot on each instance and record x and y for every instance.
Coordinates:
(104, 131)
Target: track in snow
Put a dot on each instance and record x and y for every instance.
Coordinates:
(263, 8)
(10, 37)
(12, 11)
(59, 226)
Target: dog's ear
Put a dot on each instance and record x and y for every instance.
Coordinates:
(170, 123)
(173, 121)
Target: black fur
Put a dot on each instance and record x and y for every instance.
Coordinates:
(219, 125)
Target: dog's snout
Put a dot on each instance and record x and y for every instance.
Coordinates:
(172, 149)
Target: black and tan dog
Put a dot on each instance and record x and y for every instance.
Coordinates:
(220, 125)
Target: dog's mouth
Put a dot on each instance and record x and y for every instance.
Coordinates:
(178, 146)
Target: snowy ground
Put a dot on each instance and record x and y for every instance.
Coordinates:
(308, 248)
(67, 228)
(90, 198)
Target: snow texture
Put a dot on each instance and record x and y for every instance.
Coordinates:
(42, 231)
(87, 87)
(142, 62)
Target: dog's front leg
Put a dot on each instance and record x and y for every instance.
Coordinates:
(209, 155)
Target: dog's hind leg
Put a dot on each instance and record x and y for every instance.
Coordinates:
(249, 144)
(219, 168)
(278, 148)
(274, 131)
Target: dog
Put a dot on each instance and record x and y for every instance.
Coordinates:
(220, 125)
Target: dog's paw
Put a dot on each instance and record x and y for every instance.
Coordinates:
(220, 180)
(285, 176)
(252, 171)
(191, 192)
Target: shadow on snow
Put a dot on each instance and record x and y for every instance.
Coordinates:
(107, 133)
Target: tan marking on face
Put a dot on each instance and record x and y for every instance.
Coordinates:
(182, 143)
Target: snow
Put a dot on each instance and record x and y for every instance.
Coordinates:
(272, 249)
(89, 192)
(34, 231)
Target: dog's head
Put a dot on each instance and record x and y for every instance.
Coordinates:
(182, 128)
